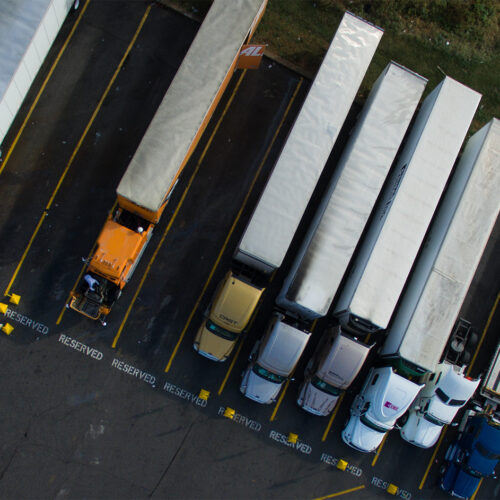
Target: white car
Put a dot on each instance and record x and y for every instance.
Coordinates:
(384, 398)
(444, 393)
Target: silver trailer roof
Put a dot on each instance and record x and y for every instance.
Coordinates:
(309, 144)
(428, 156)
(187, 102)
(328, 247)
(27, 30)
(422, 325)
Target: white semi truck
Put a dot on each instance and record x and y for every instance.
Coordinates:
(437, 287)
(289, 188)
(379, 271)
(372, 290)
(340, 220)
(322, 260)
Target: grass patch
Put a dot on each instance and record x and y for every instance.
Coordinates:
(459, 38)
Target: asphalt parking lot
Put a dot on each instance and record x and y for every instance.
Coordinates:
(113, 412)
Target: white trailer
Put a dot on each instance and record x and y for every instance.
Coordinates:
(446, 266)
(490, 389)
(327, 249)
(27, 30)
(308, 146)
(384, 261)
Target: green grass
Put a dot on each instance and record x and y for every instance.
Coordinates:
(459, 38)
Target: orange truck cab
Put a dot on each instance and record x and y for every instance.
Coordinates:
(120, 246)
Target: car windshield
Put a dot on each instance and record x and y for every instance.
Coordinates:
(433, 420)
(323, 386)
(221, 332)
(371, 425)
(267, 375)
(456, 402)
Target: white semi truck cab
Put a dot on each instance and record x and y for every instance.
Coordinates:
(335, 364)
(444, 393)
(384, 398)
(273, 360)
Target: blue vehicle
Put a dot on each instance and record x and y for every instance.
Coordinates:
(472, 457)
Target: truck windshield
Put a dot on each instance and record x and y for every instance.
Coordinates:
(433, 420)
(487, 453)
(447, 400)
(323, 386)
(371, 425)
(221, 332)
(267, 375)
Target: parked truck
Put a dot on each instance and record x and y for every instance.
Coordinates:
(282, 204)
(472, 457)
(333, 367)
(381, 268)
(324, 255)
(164, 151)
(384, 259)
(436, 289)
(322, 260)
(445, 391)
(384, 397)
(273, 359)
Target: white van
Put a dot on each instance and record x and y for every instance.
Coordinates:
(333, 367)
(272, 360)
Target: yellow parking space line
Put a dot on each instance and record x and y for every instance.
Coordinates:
(230, 369)
(480, 343)
(473, 497)
(179, 205)
(280, 399)
(42, 88)
(339, 493)
(431, 461)
(375, 458)
(63, 310)
(332, 418)
(237, 353)
(226, 241)
(77, 148)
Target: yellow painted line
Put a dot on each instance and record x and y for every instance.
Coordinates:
(339, 493)
(42, 88)
(431, 461)
(230, 369)
(280, 399)
(78, 146)
(174, 216)
(245, 201)
(235, 357)
(375, 458)
(63, 310)
(334, 414)
(490, 317)
(473, 497)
